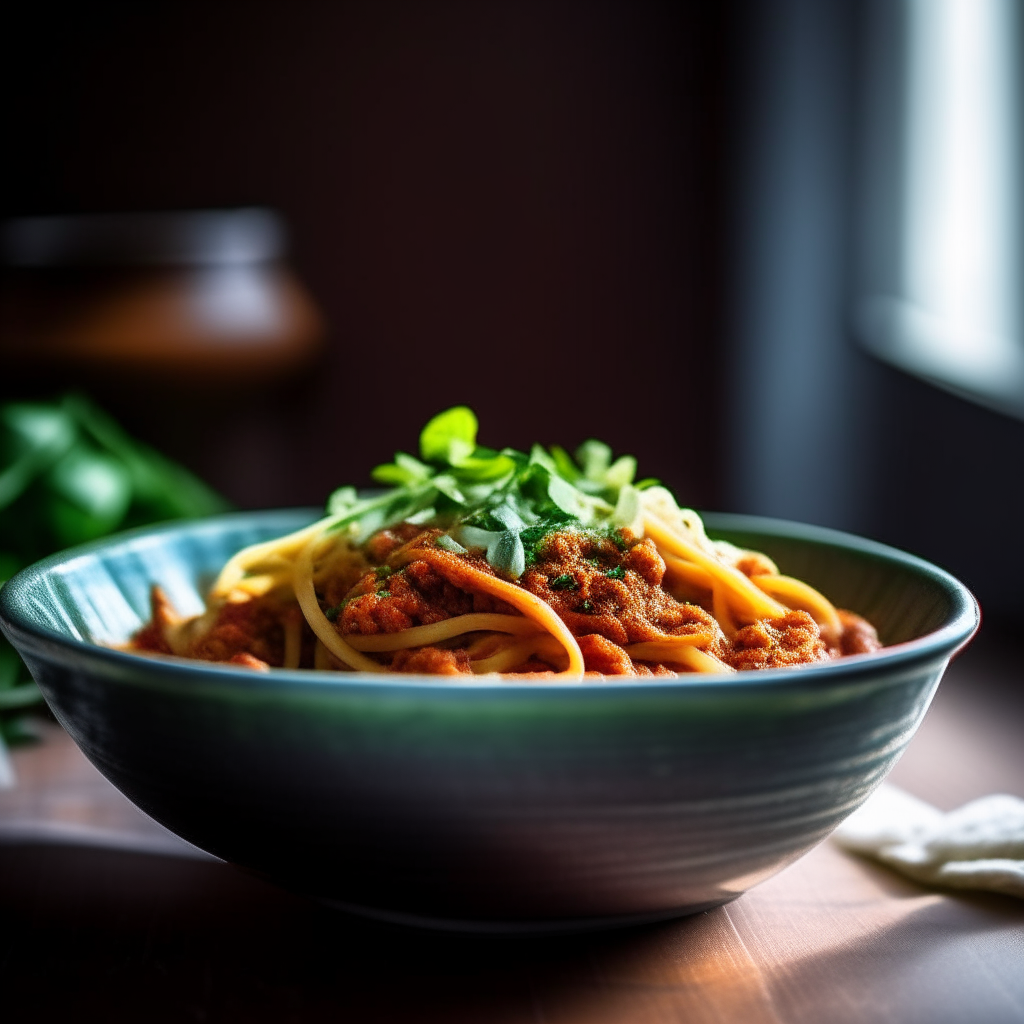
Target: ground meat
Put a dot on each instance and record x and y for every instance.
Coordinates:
(753, 563)
(601, 655)
(384, 542)
(596, 588)
(791, 639)
(151, 636)
(647, 668)
(608, 589)
(416, 595)
(249, 627)
(434, 661)
(858, 636)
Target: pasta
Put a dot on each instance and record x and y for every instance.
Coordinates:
(476, 562)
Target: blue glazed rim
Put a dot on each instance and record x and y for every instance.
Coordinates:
(888, 663)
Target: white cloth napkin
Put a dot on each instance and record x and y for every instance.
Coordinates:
(977, 846)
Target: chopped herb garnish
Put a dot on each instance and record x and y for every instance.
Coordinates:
(505, 503)
(333, 613)
(618, 573)
(446, 543)
(564, 582)
(383, 593)
(383, 572)
(585, 607)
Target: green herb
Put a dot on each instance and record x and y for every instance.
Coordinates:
(450, 544)
(564, 582)
(333, 613)
(382, 572)
(618, 573)
(69, 474)
(383, 593)
(503, 502)
(586, 607)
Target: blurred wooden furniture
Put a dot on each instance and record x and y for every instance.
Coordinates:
(108, 917)
(194, 294)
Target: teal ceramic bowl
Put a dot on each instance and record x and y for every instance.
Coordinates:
(484, 804)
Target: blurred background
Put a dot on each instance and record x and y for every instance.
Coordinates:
(770, 248)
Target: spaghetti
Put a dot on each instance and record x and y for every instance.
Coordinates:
(477, 562)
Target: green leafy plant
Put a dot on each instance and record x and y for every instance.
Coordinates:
(504, 502)
(70, 474)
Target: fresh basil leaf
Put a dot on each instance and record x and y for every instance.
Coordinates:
(595, 457)
(342, 500)
(36, 436)
(627, 509)
(423, 516)
(620, 472)
(390, 473)
(39, 427)
(506, 555)
(446, 484)
(508, 517)
(565, 466)
(568, 499)
(450, 436)
(97, 484)
(474, 537)
(450, 544)
(539, 457)
(476, 468)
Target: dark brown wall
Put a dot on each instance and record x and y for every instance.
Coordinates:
(514, 205)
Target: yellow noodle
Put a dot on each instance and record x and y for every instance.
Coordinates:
(692, 574)
(677, 654)
(526, 602)
(722, 611)
(665, 649)
(421, 636)
(319, 623)
(701, 661)
(798, 594)
(292, 642)
(258, 586)
(758, 604)
(509, 657)
(283, 549)
(321, 658)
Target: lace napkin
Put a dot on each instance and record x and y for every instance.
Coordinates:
(977, 846)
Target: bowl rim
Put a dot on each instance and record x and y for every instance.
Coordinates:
(54, 646)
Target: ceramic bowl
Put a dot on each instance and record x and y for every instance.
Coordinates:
(484, 804)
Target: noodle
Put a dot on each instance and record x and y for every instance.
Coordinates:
(549, 566)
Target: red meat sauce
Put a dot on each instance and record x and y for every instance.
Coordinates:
(610, 590)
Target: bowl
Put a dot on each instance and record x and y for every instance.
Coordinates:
(482, 804)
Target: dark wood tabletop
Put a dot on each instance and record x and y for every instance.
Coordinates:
(106, 917)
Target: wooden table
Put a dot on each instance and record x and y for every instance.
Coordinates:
(106, 917)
